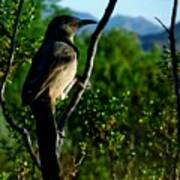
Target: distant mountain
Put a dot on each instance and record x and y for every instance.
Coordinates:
(83, 15)
(148, 33)
(160, 38)
(139, 25)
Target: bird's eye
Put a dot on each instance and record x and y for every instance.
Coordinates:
(74, 25)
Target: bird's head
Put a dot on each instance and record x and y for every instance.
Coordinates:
(66, 27)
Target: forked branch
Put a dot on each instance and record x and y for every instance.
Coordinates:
(89, 65)
(174, 61)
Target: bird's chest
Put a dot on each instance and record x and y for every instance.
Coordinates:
(65, 74)
(62, 78)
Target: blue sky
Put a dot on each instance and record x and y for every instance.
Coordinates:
(146, 8)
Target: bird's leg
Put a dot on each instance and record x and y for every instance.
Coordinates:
(76, 80)
(61, 134)
(80, 83)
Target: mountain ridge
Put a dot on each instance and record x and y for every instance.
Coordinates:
(160, 38)
(148, 33)
(139, 25)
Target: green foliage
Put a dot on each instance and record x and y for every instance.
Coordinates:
(129, 121)
(4, 176)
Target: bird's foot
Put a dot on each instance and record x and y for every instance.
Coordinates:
(81, 83)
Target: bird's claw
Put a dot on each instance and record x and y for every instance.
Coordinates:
(81, 84)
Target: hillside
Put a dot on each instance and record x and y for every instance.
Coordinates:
(139, 25)
(160, 38)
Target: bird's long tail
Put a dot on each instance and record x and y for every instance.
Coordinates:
(47, 138)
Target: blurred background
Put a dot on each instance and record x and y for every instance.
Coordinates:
(125, 125)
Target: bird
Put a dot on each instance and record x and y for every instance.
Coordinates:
(53, 68)
(55, 64)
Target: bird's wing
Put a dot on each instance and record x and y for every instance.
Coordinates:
(48, 60)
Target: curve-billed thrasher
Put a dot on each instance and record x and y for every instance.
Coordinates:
(53, 69)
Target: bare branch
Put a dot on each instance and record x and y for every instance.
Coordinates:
(80, 161)
(71, 85)
(162, 24)
(175, 65)
(174, 62)
(89, 65)
(23, 131)
(173, 52)
(174, 15)
(8, 116)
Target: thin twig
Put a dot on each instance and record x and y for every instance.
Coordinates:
(80, 161)
(89, 65)
(8, 116)
(162, 24)
(23, 131)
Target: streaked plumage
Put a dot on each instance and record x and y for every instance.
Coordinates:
(53, 68)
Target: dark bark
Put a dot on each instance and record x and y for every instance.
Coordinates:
(175, 64)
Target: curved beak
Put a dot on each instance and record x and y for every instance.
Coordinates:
(84, 22)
